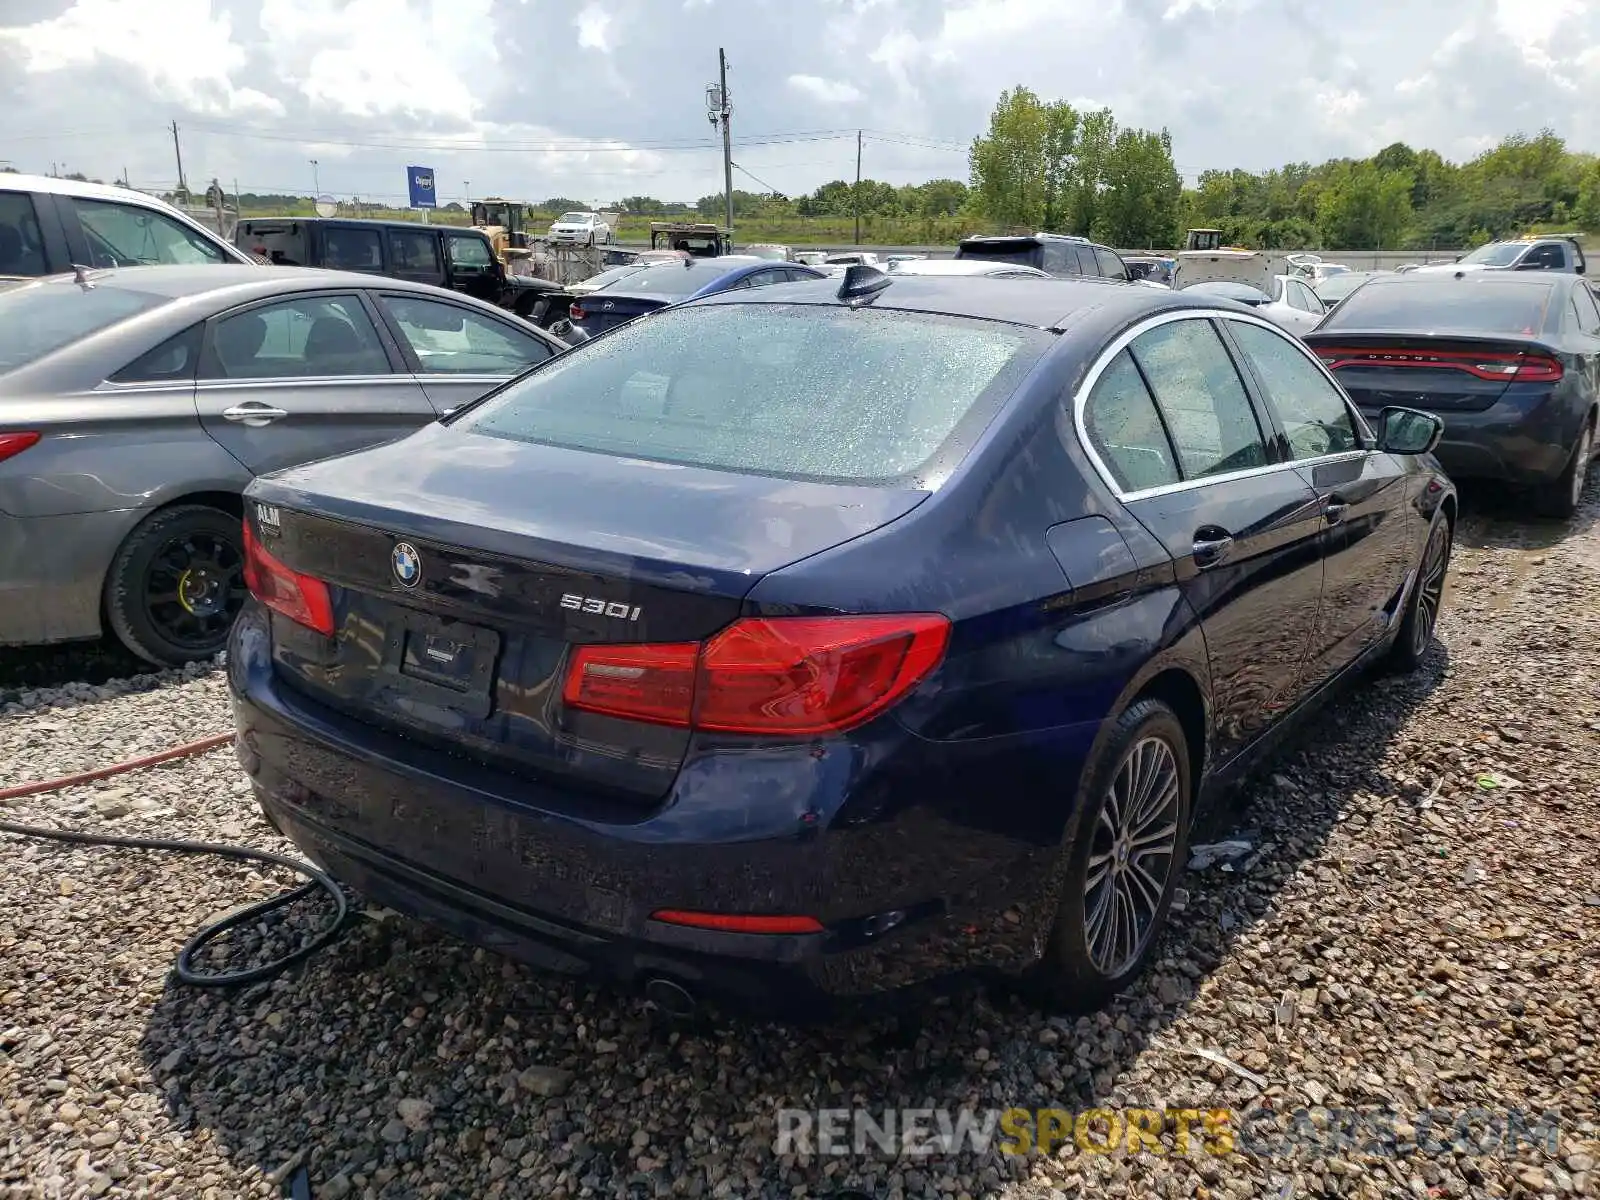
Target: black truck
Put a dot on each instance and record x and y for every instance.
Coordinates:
(446, 256)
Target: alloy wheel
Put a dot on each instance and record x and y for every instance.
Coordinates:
(1132, 857)
(194, 589)
(1430, 587)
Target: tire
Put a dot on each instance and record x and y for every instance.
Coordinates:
(1559, 498)
(1415, 635)
(1078, 973)
(176, 584)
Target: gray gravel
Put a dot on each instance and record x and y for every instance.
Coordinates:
(1420, 934)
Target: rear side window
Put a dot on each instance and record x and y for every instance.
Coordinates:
(1058, 259)
(1588, 313)
(311, 336)
(130, 236)
(414, 253)
(1456, 305)
(40, 318)
(1202, 398)
(175, 359)
(771, 389)
(349, 249)
(1110, 265)
(1125, 429)
(21, 243)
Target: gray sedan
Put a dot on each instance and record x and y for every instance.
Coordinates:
(136, 404)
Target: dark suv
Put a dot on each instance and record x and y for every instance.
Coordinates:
(1053, 253)
(446, 256)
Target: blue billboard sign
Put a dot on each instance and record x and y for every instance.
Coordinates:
(419, 183)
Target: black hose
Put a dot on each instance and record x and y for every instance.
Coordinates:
(185, 969)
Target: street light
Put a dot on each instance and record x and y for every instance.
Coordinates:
(466, 188)
(316, 186)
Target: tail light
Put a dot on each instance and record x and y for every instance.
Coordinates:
(737, 922)
(786, 676)
(575, 312)
(1523, 368)
(12, 444)
(302, 599)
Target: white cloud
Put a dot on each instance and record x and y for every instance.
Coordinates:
(597, 99)
(593, 24)
(187, 56)
(828, 91)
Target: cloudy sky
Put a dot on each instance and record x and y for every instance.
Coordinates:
(597, 99)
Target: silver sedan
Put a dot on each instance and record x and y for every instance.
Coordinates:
(136, 404)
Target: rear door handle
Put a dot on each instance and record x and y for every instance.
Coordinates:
(253, 412)
(1211, 546)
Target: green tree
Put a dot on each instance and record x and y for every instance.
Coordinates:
(1009, 166)
(1365, 208)
(1097, 134)
(1143, 192)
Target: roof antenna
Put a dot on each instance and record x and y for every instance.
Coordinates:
(862, 282)
(80, 276)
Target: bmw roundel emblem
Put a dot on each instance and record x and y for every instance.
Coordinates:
(407, 564)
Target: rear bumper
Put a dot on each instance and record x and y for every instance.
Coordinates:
(915, 889)
(1512, 441)
(52, 573)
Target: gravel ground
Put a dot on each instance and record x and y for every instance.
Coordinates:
(1416, 932)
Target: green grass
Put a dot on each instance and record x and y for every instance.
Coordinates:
(787, 230)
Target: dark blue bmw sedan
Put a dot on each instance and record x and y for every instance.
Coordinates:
(812, 640)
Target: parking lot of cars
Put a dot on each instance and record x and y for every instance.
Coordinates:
(805, 638)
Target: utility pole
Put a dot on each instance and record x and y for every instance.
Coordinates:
(727, 140)
(178, 150)
(858, 189)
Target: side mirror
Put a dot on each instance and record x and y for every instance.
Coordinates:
(1408, 431)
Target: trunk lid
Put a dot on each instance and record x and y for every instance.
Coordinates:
(1438, 373)
(606, 310)
(522, 552)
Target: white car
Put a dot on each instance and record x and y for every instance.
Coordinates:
(578, 229)
(1291, 304)
(964, 266)
(852, 258)
(48, 225)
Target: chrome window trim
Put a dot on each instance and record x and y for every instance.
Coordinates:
(1080, 400)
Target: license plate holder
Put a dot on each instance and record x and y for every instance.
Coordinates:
(446, 663)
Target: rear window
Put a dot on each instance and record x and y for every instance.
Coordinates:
(1445, 305)
(676, 278)
(851, 395)
(1242, 292)
(1497, 254)
(1022, 252)
(36, 320)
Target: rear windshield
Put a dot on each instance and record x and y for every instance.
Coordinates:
(38, 319)
(1242, 292)
(676, 278)
(1022, 253)
(1337, 287)
(814, 392)
(1497, 254)
(1445, 305)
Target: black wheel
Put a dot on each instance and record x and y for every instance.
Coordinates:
(1416, 630)
(1559, 498)
(1124, 859)
(177, 583)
